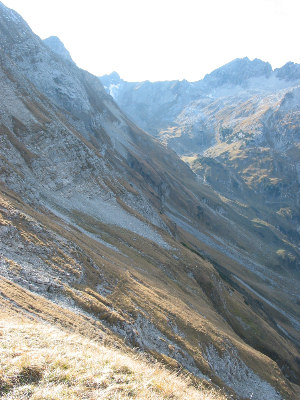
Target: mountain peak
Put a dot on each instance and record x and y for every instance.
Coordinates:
(111, 79)
(238, 71)
(57, 46)
(290, 71)
(111, 82)
(114, 75)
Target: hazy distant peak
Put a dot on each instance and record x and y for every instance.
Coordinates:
(290, 71)
(57, 46)
(111, 79)
(238, 72)
(114, 75)
(111, 83)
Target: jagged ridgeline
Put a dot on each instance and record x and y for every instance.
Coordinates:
(107, 233)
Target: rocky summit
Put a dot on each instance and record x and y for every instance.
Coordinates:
(105, 231)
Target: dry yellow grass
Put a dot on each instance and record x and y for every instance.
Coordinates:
(39, 361)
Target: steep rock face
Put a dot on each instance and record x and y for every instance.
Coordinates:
(89, 109)
(99, 217)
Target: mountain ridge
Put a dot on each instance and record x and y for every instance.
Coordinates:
(99, 217)
(254, 68)
(213, 125)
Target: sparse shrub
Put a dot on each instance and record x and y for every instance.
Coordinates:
(30, 374)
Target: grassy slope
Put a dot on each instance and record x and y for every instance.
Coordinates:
(44, 362)
(145, 281)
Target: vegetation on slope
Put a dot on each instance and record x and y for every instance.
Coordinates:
(166, 306)
(40, 361)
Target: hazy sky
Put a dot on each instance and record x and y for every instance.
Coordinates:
(166, 39)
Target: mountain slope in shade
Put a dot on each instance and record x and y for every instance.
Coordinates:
(100, 218)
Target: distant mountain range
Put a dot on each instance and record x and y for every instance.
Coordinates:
(105, 231)
(238, 129)
(159, 105)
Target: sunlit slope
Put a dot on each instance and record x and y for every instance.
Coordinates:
(171, 303)
(50, 362)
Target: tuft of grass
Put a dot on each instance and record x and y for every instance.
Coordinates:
(42, 362)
